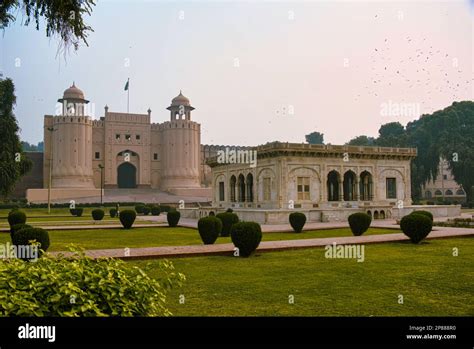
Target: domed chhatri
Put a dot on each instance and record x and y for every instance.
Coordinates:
(180, 100)
(73, 94)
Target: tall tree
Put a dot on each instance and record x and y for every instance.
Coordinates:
(362, 140)
(315, 138)
(13, 163)
(64, 18)
(391, 135)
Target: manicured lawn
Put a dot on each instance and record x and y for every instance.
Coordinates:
(431, 280)
(164, 236)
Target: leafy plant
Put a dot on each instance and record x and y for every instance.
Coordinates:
(76, 285)
(228, 220)
(98, 214)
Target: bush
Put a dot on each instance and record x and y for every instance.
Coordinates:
(430, 202)
(155, 210)
(79, 286)
(228, 220)
(77, 211)
(16, 227)
(165, 208)
(425, 213)
(359, 223)
(416, 227)
(16, 217)
(246, 236)
(98, 214)
(297, 221)
(146, 210)
(229, 210)
(140, 208)
(209, 228)
(127, 217)
(29, 236)
(113, 212)
(173, 218)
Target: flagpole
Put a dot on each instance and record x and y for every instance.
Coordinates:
(128, 96)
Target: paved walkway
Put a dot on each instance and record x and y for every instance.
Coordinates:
(266, 246)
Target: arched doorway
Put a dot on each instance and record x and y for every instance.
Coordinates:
(349, 186)
(333, 186)
(241, 188)
(365, 188)
(249, 183)
(126, 175)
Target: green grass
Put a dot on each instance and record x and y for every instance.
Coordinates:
(165, 236)
(432, 281)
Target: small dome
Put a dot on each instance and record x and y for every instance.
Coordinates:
(73, 93)
(180, 100)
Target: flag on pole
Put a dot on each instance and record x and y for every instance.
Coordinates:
(126, 85)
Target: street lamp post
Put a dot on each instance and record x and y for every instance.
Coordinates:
(50, 129)
(101, 183)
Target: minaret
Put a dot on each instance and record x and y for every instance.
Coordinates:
(181, 142)
(71, 135)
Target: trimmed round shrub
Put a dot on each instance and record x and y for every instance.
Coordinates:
(113, 212)
(98, 214)
(155, 210)
(127, 217)
(139, 208)
(173, 218)
(297, 221)
(246, 236)
(209, 228)
(229, 210)
(25, 237)
(416, 227)
(228, 220)
(77, 211)
(146, 210)
(425, 213)
(17, 227)
(16, 217)
(359, 223)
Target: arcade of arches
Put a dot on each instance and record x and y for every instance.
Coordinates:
(314, 177)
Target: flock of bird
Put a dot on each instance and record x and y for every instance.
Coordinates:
(423, 71)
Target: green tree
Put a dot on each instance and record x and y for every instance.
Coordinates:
(63, 18)
(315, 138)
(391, 135)
(362, 140)
(13, 163)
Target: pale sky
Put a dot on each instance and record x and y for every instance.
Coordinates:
(255, 71)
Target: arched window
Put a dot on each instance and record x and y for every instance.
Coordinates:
(241, 188)
(428, 194)
(365, 186)
(460, 192)
(349, 186)
(333, 186)
(233, 182)
(249, 187)
(449, 192)
(438, 192)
